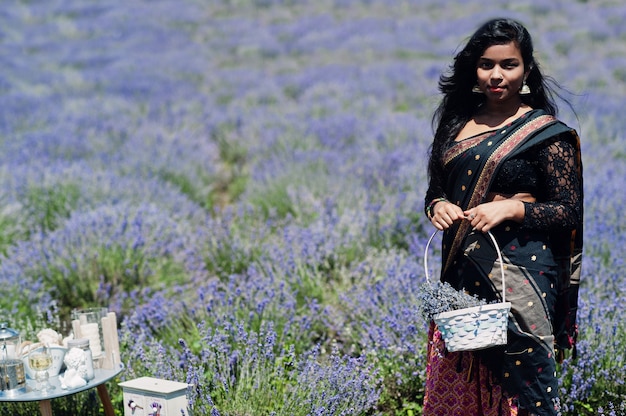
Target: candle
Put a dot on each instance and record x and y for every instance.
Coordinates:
(91, 331)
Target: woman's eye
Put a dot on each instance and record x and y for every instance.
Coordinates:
(510, 65)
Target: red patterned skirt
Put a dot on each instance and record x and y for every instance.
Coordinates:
(458, 384)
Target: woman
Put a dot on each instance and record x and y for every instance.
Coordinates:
(501, 162)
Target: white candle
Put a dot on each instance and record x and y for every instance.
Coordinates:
(92, 333)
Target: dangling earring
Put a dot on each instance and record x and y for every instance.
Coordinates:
(525, 90)
(476, 89)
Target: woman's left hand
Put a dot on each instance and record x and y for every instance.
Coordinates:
(490, 214)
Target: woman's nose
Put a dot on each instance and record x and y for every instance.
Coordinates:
(496, 75)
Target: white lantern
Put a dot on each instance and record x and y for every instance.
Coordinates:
(148, 396)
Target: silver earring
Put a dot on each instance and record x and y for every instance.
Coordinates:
(476, 89)
(525, 90)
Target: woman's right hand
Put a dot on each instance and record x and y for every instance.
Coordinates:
(445, 214)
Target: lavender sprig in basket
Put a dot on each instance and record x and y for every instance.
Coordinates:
(466, 323)
(439, 297)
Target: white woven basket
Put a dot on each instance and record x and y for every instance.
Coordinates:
(477, 327)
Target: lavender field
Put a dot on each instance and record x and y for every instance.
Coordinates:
(242, 182)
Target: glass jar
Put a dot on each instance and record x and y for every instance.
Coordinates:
(83, 344)
(12, 375)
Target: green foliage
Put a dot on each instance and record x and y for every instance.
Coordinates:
(403, 381)
(222, 187)
(9, 232)
(116, 270)
(85, 403)
(42, 209)
(48, 206)
(183, 183)
(235, 251)
(274, 199)
(603, 377)
(259, 378)
(232, 177)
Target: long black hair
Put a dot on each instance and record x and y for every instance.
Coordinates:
(459, 103)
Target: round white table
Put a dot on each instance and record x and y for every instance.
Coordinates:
(99, 382)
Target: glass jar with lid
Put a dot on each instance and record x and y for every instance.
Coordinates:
(83, 344)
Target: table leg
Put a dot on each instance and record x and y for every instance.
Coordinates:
(45, 407)
(105, 399)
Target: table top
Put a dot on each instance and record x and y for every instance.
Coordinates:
(100, 377)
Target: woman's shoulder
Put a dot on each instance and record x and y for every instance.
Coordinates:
(471, 130)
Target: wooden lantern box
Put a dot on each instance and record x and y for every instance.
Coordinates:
(147, 396)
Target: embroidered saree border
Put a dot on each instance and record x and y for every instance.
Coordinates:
(481, 185)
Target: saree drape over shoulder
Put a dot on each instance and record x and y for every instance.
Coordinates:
(542, 259)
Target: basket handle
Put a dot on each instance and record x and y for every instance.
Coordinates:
(495, 244)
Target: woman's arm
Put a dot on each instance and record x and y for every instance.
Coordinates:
(561, 206)
(441, 213)
(436, 187)
(558, 205)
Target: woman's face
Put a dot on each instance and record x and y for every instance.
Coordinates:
(500, 72)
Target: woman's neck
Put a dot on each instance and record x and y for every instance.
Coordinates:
(495, 115)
